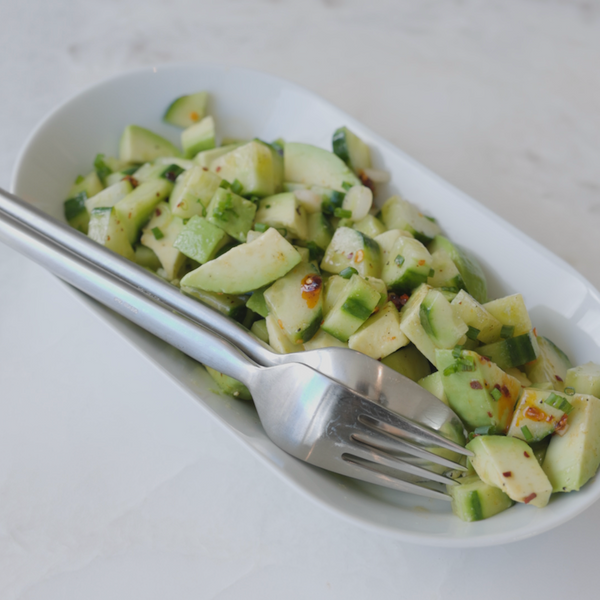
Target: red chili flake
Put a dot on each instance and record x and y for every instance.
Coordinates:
(398, 301)
(558, 378)
(311, 289)
(530, 498)
(366, 181)
(158, 212)
(561, 424)
(132, 180)
(526, 454)
(108, 238)
(205, 168)
(535, 414)
(129, 216)
(535, 332)
(476, 385)
(505, 390)
(218, 169)
(421, 262)
(507, 474)
(489, 414)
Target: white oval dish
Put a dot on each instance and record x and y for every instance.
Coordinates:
(562, 304)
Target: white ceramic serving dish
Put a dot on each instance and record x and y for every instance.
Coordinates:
(246, 104)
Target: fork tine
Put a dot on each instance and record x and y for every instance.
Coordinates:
(365, 469)
(379, 417)
(381, 457)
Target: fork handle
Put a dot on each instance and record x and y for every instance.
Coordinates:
(192, 339)
(67, 237)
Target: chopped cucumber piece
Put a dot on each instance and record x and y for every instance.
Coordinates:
(476, 316)
(107, 229)
(551, 365)
(351, 248)
(584, 379)
(351, 149)
(198, 137)
(407, 265)
(474, 500)
(283, 212)
(76, 213)
(408, 361)
(140, 145)
(398, 213)
(201, 240)
(109, 196)
(232, 213)
(193, 192)
(187, 110)
(511, 312)
(229, 385)
(229, 304)
(512, 352)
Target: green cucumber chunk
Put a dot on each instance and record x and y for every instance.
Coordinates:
(351, 248)
(198, 137)
(351, 149)
(232, 213)
(201, 240)
(551, 365)
(397, 213)
(229, 304)
(584, 379)
(283, 212)
(186, 110)
(90, 184)
(440, 322)
(407, 265)
(193, 192)
(512, 352)
(229, 385)
(140, 145)
(408, 361)
(107, 229)
(76, 213)
(474, 500)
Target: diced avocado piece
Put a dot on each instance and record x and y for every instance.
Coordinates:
(584, 379)
(137, 207)
(201, 240)
(512, 352)
(354, 306)
(471, 272)
(573, 458)
(187, 110)
(412, 323)
(193, 192)
(434, 384)
(207, 157)
(476, 316)
(445, 274)
(351, 149)
(76, 213)
(319, 230)
(296, 302)
(370, 226)
(246, 267)
(198, 137)
(408, 361)
(440, 322)
(159, 234)
(278, 340)
(229, 304)
(229, 385)
(283, 212)
(474, 500)
(90, 184)
(407, 265)
(259, 329)
(257, 302)
(480, 393)
(380, 335)
(140, 145)
(538, 414)
(322, 339)
(351, 248)
(252, 165)
(109, 196)
(397, 213)
(551, 365)
(146, 257)
(511, 312)
(509, 464)
(311, 165)
(232, 213)
(107, 229)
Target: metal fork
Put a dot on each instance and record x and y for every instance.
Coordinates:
(361, 373)
(304, 412)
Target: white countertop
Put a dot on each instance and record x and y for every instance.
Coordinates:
(500, 97)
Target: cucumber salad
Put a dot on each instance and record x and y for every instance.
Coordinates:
(285, 238)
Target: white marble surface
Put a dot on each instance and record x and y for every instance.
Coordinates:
(498, 97)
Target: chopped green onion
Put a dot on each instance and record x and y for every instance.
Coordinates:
(254, 199)
(347, 185)
(449, 289)
(553, 399)
(75, 206)
(102, 169)
(451, 369)
(431, 273)
(399, 260)
(337, 198)
(484, 430)
(457, 351)
(348, 272)
(79, 178)
(268, 206)
(225, 185)
(570, 391)
(130, 171)
(496, 394)
(507, 331)
(341, 213)
(185, 221)
(158, 234)
(472, 333)
(430, 219)
(566, 407)
(283, 231)
(204, 211)
(172, 172)
(467, 363)
(237, 187)
(314, 252)
(559, 402)
(262, 227)
(526, 433)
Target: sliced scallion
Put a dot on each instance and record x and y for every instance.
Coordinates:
(399, 260)
(526, 433)
(507, 331)
(472, 333)
(348, 272)
(158, 234)
(496, 394)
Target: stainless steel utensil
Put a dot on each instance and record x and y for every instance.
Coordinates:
(303, 411)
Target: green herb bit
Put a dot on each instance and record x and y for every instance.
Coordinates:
(79, 178)
(566, 407)
(73, 207)
(399, 260)
(342, 213)
(449, 289)
(158, 234)
(172, 172)
(430, 219)
(102, 169)
(507, 331)
(467, 363)
(553, 399)
(262, 227)
(570, 391)
(496, 394)
(337, 198)
(348, 272)
(472, 333)
(314, 252)
(347, 185)
(225, 185)
(457, 351)
(283, 231)
(237, 187)
(526, 433)
(454, 368)
(431, 273)
(204, 211)
(484, 430)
